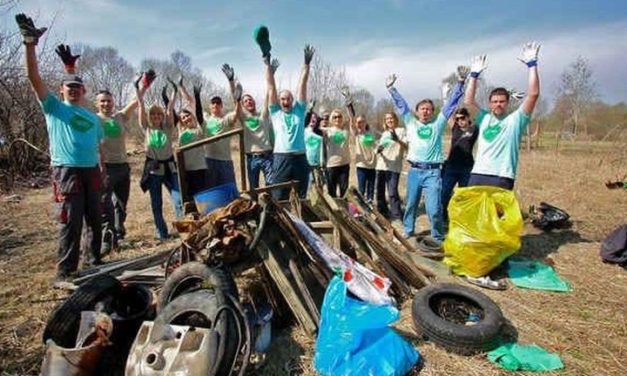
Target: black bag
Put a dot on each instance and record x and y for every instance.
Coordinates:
(548, 217)
(614, 247)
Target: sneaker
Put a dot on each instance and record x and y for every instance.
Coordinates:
(430, 245)
(487, 283)
(108, 238)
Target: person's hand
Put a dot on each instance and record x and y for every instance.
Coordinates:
(446, 89)
(478, 65)
(137, 81)
(238, 91)
(348, 98)
(309, 53)
(196, 89)
(274, 65)
(181, 79)
(149, 77)
(462, 72)
(530, 54)
(394, 135)
(380, 149)
(517, 95)
(228, 71)
(172, 83)
(311, 105)
(30, 33)
(389, 82)
(164, 96)
(64, 52)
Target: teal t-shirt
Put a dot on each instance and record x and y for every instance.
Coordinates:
(424, 139)
(499, 142)
(75, 133)
(289, 128)
(313, 148)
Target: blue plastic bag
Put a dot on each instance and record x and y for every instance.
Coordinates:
(355, 338)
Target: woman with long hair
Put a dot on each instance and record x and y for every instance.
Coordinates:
(389, 164)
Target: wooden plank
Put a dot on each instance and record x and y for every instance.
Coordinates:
(210, 140)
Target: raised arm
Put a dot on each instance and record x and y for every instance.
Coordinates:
(236, 93)
(30, 36)
(478, 65)
(141, 109)
(189, 101)
(399, 102)
(198, 110)
(69, 61)
(169, 111)
(348, 102)
(271, 92)
(530, 57)
(304, 74)
(456, 94)
(147, 80)
(274, 65)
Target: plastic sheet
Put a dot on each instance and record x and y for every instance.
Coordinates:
(485, 228)
(535, 275)
(515, 357)
(355, 339)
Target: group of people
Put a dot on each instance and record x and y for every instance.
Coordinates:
(285, 139)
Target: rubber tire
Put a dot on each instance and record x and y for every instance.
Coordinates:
(483, 336)
(192, 276)
(206, 302)
(65, 319)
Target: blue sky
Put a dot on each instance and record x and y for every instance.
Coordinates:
(422, 40)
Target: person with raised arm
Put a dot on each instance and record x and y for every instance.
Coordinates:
(423, 136)
(288, 122)
(75, 134)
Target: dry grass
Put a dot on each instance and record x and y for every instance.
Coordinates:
(587, 327)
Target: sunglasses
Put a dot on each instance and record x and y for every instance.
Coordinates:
(460, 117)
(336, 117)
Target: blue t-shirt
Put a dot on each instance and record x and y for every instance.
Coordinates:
(499, 142)
(74, 133)
(289, 128)
(424, 139)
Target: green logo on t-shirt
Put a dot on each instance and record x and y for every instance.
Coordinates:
(112, 129)
(386, 140)
(252, 123)
(491, 131)
(339, 137)
(425, 132)
(367, 140)
(80, 123)
(157, 139)
(187, 137)
(214, 126)
(290, 123)
(313, 141)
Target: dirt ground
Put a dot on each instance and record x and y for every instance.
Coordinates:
(586, 327)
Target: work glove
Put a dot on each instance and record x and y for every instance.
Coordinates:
(446, 89)
(228, 71)
(517, 95)
(200, 117)
(64, 52)
(237, 91)
(348, 98)
(30, 34)
(478, 65)
(380, 149)
(172, 83)
(274, 65)
(181, 79)
(389, 82)
(311, 105)
(309, 52)
(149, 77)
(530, 54)
(137, 80)
(164, 95)
(394, 135)
(462, 72)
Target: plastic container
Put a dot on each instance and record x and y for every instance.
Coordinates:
(216, 197)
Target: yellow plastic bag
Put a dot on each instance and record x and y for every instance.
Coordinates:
(485, 229)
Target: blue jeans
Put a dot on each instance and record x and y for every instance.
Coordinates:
(450, 177)
(156, 203)
(430, 181)
(219, 172)
(255, 164)
(389, 180)
(365, 182)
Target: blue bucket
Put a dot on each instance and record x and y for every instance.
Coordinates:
(216, 197)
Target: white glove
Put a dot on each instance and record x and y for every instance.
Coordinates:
(462, 72)
(389, 82)
(530, 54)
(517, 95)
(478, 65)
(446, 89)
(237, 91)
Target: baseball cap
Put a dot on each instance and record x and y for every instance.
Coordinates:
(215, 99)
(72, 79)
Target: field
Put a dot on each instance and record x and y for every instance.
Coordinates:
(586, 327)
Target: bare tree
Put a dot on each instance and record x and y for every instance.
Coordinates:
(577, 91)
(325, 82)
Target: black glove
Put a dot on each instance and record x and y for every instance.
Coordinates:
(139, 78)
(309, 52)
(380, 149)
(30, 34)
(64, 52)
(149, 77)
(200, 117)
(172, 83)
(274, 65)
(394, 135)
(228, 71)
(164, 96)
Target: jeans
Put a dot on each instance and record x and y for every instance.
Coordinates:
(337, 177)
(389, 180)
(255, 164)
(450, 177)
(115, 197)
(77, 194)
(288, 167)
(365, 182)
(430, 181)
(491, 180)
(156, 202)
(219, 172)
